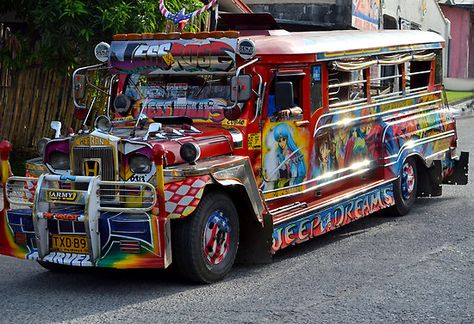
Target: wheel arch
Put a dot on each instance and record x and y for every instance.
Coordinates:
(255, 230)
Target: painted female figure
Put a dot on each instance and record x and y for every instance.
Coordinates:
(291, 165)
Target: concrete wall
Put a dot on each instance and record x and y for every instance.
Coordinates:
(328, 14)
(421, 14)
(459, 55)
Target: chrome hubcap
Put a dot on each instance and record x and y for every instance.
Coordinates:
(216, 240)
(408, 180)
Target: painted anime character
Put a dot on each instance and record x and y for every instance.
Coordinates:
(291, 165)
(324, 153)
(356, 148)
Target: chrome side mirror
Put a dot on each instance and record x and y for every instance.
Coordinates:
(56, 125)
(153, 128)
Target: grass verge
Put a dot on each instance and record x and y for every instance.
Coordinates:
(454, 96)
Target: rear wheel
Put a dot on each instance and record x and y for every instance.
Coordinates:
(205, 243)
(404, 189)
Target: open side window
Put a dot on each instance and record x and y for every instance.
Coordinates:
(285, 92)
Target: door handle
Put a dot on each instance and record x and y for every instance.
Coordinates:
(301, 123)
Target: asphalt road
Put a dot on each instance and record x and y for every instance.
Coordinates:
(418, 268)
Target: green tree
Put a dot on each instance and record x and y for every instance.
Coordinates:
(61, 34)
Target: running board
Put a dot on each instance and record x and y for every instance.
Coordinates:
(329, 202)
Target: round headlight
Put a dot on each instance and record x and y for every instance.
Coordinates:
(41, 145)
(122, 104)
(190, 152)
(139, 163)
(59, 160)
(103, 124)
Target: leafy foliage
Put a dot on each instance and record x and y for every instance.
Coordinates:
(61, 34)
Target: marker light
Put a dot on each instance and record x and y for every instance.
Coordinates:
(102, 51)
(103, 124)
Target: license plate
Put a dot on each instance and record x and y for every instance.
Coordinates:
(69, 244)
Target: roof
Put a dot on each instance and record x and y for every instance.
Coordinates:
(333, 44)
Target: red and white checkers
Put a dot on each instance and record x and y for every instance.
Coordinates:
(182, 198)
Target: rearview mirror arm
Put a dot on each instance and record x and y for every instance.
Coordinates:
(237, 73)
(86, 68)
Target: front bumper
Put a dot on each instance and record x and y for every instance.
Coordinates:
(121, 231)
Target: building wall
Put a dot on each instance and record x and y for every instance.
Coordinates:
(460, 40)
(328, 14)
(419, 14)
(366, 14)
(471, 47)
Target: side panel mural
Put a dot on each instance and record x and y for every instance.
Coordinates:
(353, 139)
(319, 222)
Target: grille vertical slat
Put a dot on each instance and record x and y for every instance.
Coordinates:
(105, 154)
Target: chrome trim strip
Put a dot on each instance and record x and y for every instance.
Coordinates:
(421, 142)
(335, 200)
(350, 121)
(412, 96)
(313, 188)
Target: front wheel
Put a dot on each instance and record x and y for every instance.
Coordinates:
(205, 243)
(404, 188)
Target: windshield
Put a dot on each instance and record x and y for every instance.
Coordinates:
(200, 97)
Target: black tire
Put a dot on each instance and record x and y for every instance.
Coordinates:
(405, 192)
(205, 243)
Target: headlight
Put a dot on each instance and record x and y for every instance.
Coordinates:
(139, 163)
(59, 160)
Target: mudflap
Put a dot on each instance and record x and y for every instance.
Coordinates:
(430, 180)
(256, 241)
(458, 172)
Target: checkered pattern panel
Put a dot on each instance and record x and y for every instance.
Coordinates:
(182, 198)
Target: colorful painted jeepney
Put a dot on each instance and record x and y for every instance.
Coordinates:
(222, 146)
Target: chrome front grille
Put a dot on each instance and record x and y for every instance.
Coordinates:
(104, 156)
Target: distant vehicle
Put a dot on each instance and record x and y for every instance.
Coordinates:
(224, 145)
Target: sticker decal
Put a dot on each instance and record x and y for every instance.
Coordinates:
(255, 140)
(57, 195)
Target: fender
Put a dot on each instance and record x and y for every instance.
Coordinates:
(241, 174)
(183, 196)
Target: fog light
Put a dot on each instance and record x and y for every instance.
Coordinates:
(190, 152)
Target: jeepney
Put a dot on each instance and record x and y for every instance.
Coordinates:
(201, 159)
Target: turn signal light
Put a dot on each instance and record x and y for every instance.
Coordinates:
(129, 246)
(20, 238)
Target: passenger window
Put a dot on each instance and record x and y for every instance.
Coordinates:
(418, 75)
(347, 88)
(386, 82)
